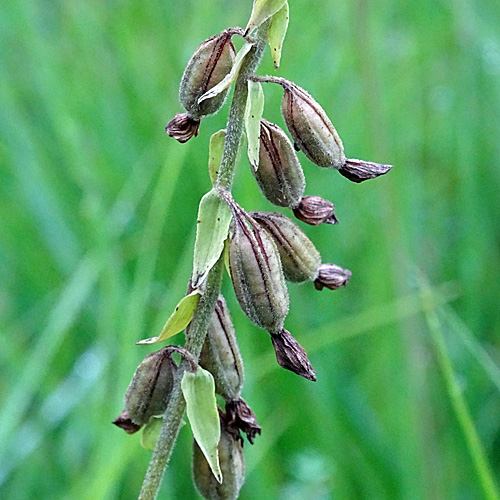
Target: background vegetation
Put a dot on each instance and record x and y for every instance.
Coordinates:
(97, 226)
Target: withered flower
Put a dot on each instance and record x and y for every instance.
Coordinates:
(240, 417)
(182, 127)
(359, 170)
(332, 277)
(315, 210)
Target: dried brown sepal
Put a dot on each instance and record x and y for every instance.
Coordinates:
(332, 277)
(359, 170)
(314, 210)
(240, 417)
(123, 421)
(182, 127)
(291, 355)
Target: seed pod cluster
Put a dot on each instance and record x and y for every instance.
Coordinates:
(210, 63)
(279, 174)
(299, 258)
(232, 466)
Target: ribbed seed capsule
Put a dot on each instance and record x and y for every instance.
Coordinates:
(211, 62)
(279, 174)
(299, 258)
(232, 466)
(256, 272)
(220, 354)
(150, 388)
(310, 127)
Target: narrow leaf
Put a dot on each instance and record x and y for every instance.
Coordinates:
(230, 77)
(151, 432)
(277, 32)
(215, 154)
(178, 320)
(262, 10)
(201, 407)
(253, 114)
(214, 217)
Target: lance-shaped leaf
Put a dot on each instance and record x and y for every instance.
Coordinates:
(230, 77)
(179, 319)
(277, 32)
(214, 217)
(262, 10)
(151, 432)
(253, 114)
(198, 389)
(215, 154)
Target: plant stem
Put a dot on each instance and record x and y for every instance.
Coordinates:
(197, 329)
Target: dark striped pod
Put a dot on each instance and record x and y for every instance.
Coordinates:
(256, 273)
(279, 173)
(220, 354)
(232, 464)
(299, 258)
(149, 390)
(310, 127)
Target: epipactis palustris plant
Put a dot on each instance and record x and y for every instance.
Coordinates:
(262, 250)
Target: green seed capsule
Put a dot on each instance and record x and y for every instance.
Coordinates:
(279, 173)
(211, 62)
(256, 273)
(310, 127)
(232, 466)
(220, 354)
(299, 257)
(149, 391)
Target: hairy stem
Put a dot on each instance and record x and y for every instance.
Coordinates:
(197, 329)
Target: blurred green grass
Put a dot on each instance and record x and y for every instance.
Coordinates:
(98, 206)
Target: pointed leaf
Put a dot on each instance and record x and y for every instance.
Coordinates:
(151, 432)
(215, 154)
(230, 77)
(253, 114)
(262, 10)
(201, 407)
(214, 217)
(179, 319)
(277, 32)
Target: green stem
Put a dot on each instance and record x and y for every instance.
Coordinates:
(197, 329)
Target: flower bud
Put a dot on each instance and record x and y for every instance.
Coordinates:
(332, 276)
(359, 170)
(232, 465)
(220, 354)
(315, 210)
(299, 258)
(256, 272)
(310, 127)
(279, 173)
(149, 391)
(291, 355)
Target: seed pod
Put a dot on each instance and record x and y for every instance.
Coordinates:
(359, 170)
(220, 354)
(256, 272)
(232, 466)
(299, 258)
(279, 173)
(291, 355)
(315, 210)
(149, 391)
(310, 127)
(332, 276)
(211, 62)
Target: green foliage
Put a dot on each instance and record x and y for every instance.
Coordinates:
(98, 213)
